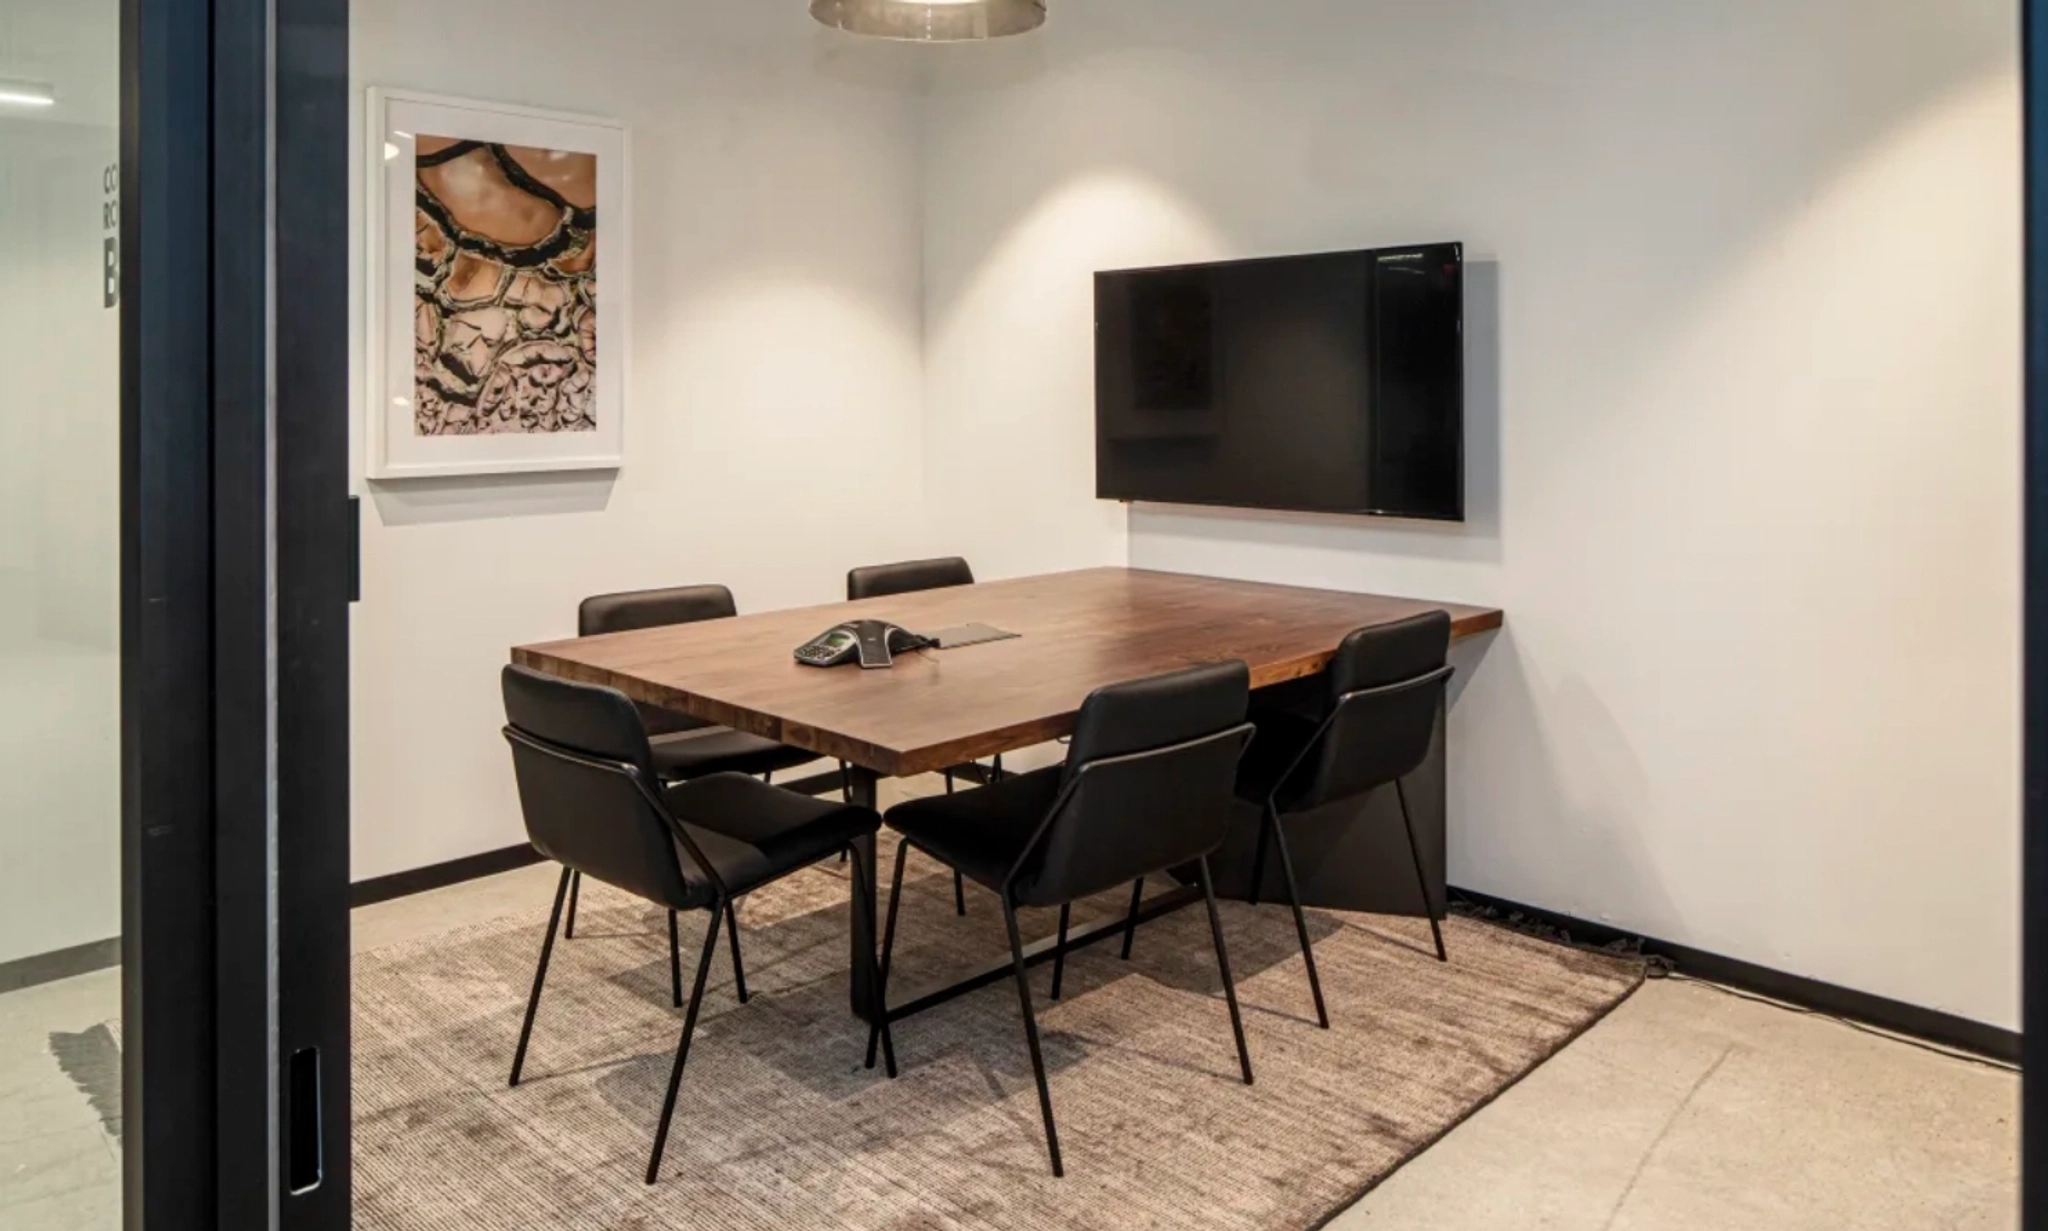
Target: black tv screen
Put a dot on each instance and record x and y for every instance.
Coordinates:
(1331, 383)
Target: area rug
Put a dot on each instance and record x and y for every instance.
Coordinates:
(780, 1128)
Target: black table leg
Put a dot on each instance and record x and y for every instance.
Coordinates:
(861, 784)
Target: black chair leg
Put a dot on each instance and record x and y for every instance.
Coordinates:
(1131, 922)
(1244, 1057)
(1436, 930)
(888, 945)
(1271, 818)
(1059, 953)
(732, 932)
(1052, 1137)
(1258, 868)
(575, 891)
(675, 962)
(675, 1075)
(876, 974)
(998, 775)
(540, 974)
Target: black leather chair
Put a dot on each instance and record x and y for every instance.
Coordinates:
(684, 746)
(1146, 786)
(593, 803)
(1373, 726)
(908, 577)
(883, 580)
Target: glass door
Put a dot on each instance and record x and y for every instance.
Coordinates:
(60, 687)
(176, 555)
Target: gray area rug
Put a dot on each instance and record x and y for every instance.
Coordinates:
(780, 1128)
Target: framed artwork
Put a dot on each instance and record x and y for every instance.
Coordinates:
(498, 320)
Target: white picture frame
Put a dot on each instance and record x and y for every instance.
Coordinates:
(436, 433)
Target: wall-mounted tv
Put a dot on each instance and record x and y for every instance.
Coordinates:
(1331, 383)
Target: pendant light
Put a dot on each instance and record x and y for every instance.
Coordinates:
(931, 21)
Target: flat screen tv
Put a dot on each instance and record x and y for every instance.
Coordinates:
(1332, 383)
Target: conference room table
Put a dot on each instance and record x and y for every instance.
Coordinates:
(939, 709)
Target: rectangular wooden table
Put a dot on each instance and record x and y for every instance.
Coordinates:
(1079, 631)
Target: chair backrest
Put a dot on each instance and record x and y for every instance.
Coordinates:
(1147, 784)
(1382, 693)
(882, 580)
(638, 609)
(585, 777)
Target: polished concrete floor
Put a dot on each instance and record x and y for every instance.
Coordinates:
(1687, 1109)
(60, 1161)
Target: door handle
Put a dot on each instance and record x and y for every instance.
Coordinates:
(304, 1149)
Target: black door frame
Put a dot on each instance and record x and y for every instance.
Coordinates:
(236, 566)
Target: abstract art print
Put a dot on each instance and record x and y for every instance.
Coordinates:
(500, 312)
(506, 258)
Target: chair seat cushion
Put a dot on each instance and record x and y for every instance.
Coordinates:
(754, 833)
(722, 750)
(983, 831)
(1281, 738)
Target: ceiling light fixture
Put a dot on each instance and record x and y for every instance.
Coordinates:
(26, 93)
(931, 21)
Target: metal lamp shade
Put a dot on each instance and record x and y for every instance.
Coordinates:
(931, 21)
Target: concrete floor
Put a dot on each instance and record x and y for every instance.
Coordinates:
(60, 1165)
(1687, 1109)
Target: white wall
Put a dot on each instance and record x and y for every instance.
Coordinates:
(60, 431)
(1744, 347)
(774, 421)
(1744, 342)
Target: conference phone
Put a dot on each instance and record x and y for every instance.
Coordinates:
(872, 643)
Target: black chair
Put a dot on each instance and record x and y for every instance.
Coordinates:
(1146, 786)
(908, 577)
(1377, 716)
(883, 580)
(684, 746)
(593, 803)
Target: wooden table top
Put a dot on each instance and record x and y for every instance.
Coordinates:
(939, 708)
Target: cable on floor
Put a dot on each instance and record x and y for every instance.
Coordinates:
(1989, 1062)
(1660, 967)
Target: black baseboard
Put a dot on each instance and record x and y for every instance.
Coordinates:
(101, 954)
(59, 964)
(1896, 1016)
(441, 875)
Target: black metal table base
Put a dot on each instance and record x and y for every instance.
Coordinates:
(1045, 950)
(862, 788)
